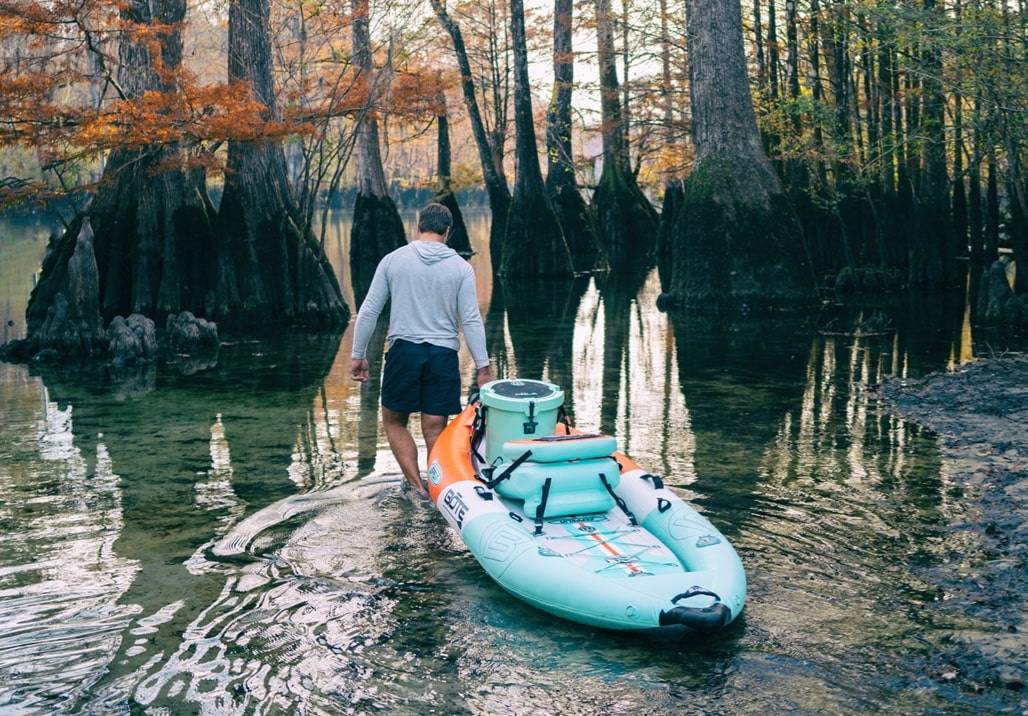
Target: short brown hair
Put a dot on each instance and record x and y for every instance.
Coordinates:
(434, 218)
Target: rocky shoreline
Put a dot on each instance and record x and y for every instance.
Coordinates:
(980, 414)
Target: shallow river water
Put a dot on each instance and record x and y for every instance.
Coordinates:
(234, 539)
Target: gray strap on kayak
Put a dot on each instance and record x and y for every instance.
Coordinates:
(540, 511)
(619, 501)
(494, 481)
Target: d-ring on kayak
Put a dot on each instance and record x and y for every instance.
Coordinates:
(564, 522)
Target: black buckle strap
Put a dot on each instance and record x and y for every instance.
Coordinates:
(530, 425)
(540, 511)
(657, 482)
(492, 482)
(478, 432)
(620, 502)
(562, 417)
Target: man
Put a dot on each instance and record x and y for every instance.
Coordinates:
(432, 290)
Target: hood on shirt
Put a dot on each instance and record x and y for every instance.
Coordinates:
(431, 252)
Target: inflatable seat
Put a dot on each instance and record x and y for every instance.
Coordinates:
(575, 488)
(559, 448)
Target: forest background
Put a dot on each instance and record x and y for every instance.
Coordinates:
(762, 155)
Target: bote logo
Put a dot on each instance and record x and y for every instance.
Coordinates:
(456, 505)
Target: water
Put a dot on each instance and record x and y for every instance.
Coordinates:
(235, 540)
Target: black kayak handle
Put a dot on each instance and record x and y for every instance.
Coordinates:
(695, 592)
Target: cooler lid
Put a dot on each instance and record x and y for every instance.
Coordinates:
(516, 394)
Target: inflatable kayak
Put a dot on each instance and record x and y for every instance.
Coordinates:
(564, 522)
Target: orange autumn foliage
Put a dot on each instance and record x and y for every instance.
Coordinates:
(62, 101)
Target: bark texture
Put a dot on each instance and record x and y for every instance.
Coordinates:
(738, 243)
(459, 240)
(572, 212)
(492, 170)
(626, 221)
(534, 245)
(143, 245)
(669, 214)
(933, 243)
(377, 228)
(268, 268)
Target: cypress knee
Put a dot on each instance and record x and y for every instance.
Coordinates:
(150, 219)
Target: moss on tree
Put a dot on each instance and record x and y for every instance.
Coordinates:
(738, 243)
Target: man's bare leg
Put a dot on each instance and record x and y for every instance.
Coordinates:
(431, 427)
(401, 442)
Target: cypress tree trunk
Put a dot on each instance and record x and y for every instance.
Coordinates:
(672, 185)
(974, 201)
(571, 209)
(770, 136)
(740, 243)
(933, 247)
(817, 92)
(626, 221)
(885, 102)
(991, 210)
(669, 216)
(758, 37)
(377, 228)
(144, 242)
(958, 205)
(534, 245)
(269, 270)
(492, 170)
(1018, 227)
(459, 240)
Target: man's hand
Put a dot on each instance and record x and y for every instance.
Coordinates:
(484, 375)
(359, 369)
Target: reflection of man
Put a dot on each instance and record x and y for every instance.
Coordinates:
(432, 290)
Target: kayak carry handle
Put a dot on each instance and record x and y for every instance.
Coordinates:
(695, 592)
(702, 621)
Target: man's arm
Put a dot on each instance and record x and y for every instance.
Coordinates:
(367, 318)
(471, 324)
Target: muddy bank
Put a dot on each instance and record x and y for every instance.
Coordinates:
(980, 414)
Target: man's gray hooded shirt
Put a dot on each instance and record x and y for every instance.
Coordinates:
(432, 290)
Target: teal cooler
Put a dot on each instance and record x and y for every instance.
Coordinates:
(518, 410)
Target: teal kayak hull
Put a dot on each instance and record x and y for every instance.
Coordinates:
(673, 571)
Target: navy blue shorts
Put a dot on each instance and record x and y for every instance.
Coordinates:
(421, 378)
